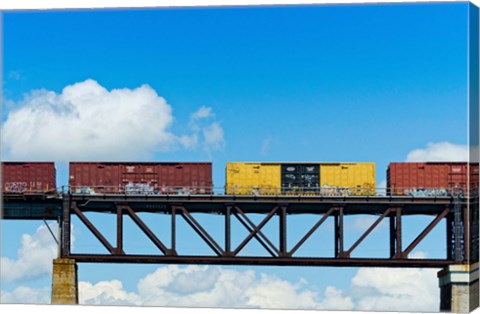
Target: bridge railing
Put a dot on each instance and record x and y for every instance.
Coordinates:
(324, 191)
(332, 191)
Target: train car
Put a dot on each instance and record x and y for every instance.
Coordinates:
(28, 177)
(140, 177)
(328, 179)
(426, 178)
(474, 179)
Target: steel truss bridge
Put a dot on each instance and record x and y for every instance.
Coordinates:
(460, 214)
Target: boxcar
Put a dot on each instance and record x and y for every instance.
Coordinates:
(426, 178)
(474, 179)
(28, 177)
(140, 177)
(329, 179)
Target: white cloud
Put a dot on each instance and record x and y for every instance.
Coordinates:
(443, 151)
(213, 137)
(34, 257)
(105, 292)
(202, 113)
(384, 289)
(206, 131)
(88, 122)
(202, 286)
(372, 289)
(26, 295)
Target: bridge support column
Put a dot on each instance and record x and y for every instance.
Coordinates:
(458, 288)
(64, 281)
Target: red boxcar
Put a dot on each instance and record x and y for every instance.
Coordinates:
(426, 178)
(474, 183)
(28, 177)
(141, 177)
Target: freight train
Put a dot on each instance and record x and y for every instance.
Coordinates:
(421, 179)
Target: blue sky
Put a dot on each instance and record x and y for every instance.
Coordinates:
(285, 83)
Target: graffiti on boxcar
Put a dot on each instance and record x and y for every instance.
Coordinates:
(139, 188)
(16, 187)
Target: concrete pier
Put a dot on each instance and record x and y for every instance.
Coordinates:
(459, 288)
(64, 281)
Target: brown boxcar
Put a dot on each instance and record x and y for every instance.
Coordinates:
(426, 178)
(28, 177)
(474, 183)
(141, 177)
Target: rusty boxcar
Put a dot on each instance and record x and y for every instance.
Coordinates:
(426, 178)
(140, 177)
(28, 177)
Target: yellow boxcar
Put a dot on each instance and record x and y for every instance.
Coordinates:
(348, 178)
(252, 178)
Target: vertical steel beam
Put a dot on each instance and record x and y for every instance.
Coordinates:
(228, 231)
(65, 236)
(119, 248)
(339, 252)
(173, 229)
(450, 236)
(466, 233)
(340, 231)
(398, 233)
(283, 231)
(335, 236)
(392, 235)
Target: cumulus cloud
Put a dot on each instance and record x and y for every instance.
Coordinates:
(26, 295)
(409, 289)
(105, 292)
(34, 257)
(206, 131)
(88, 122)
(202, 113)
(442, 151)
(372, 289)
(204, 286)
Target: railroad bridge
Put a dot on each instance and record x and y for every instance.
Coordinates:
(458, 279)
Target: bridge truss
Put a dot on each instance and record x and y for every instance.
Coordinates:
(459, 246)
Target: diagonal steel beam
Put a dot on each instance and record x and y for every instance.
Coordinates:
(425, 232)
(201, 231)
(147, 230)
(311, 231)
(94, 230)
(255, 232)
(367, 232)
(256, 236)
